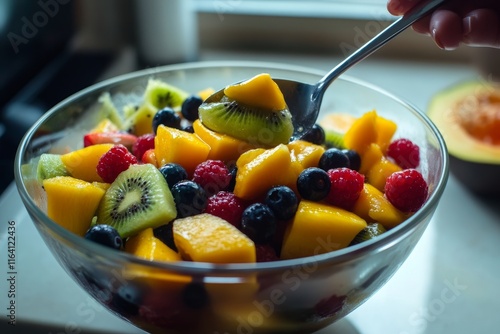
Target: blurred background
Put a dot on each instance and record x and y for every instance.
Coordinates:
(52, 48)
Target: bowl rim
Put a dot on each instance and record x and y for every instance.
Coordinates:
(185, 267)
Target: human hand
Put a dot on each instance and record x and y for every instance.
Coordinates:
(469, 22)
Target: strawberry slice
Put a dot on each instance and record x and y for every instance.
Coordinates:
(93, 138)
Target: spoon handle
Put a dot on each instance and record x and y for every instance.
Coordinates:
(375, 43)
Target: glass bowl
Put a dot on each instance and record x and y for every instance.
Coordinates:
(301, 295)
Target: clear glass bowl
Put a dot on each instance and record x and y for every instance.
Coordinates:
(301, 295)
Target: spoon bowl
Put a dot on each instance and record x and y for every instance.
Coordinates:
(304, 100)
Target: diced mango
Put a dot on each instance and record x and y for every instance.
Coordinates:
(307, 154)
(369, 128)
(82, 163)
(147, 246)
(373, 206)
(319, 228)
(270, 168)
(72, 202)
(205, 93)
(184, 148)
(361, 133)
(372, 155)
(141, 121)
(222, 147)
(207, 238)
(380, 171)
(105, 125)
(260, 91)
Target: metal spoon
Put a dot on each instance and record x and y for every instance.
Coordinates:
(304, 100)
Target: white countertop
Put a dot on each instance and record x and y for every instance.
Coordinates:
(449, 284)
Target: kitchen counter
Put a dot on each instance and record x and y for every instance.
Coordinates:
(447, 285)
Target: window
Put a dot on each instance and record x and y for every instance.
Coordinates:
(350, 9)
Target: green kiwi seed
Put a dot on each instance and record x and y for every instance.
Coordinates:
(139, 198)
(257, 126)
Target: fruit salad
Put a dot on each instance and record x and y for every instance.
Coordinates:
(179, 179)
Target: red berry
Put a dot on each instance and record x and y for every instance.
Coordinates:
(405, 153)
(113, 162)
(406, 190)
(346, 187)
(265, 253)
(95, 138)
(226, 205)
(212, 175)
(142, 144)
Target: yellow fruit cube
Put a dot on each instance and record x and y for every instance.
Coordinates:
(184, 148)
(307, 154)
(260, 91)
(147, 246)
(380, 171)
(207, 238)
(222, 147)
(371, 156)
(319, 228)
(82, 163)
(260, 171)
(373, 206)
(71, 202)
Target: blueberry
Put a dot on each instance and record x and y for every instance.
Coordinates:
(189, 108)
(313, 184)
(188, 128)
(232, 171)
(333, 158)
(315, 135)
(190, 198)
(354, 159)
(166, 116)
(105, 235)
(258, 223)
(282, 201)
(166, 234)
(173, 173)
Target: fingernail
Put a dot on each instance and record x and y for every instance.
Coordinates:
(436, 39)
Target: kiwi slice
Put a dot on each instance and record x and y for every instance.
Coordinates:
(139, 198)
(254, 125)
(161, 94)
(371, 231)
(109, 111)
(50, 165)
(334, 139)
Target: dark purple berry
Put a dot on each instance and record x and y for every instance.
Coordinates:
(313, 184)
(258, 223)
(282, 201)
(173, 173)
(190, 198)
(315, 135)
(189, 108)
(333, 158)
(105, 235)
(354, 159)
(168, 117)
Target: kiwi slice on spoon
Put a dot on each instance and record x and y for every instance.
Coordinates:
(139, 198)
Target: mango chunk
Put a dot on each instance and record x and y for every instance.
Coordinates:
(372, 155)
(207, 238)
(261, 169)
(147, 246)
(373, 206)
(222, 147)
(141, 121)
(319, 228)
(82, 163)
(71, 202)
(307, 154)
(369, 128)
(184, 148)
(260, 91)
(380, 171)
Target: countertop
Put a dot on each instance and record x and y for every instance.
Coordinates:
(447, 285)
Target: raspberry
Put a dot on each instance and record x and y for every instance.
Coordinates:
(265, 253)
(113, 162)
(142, 144)
(406, 190)
(405, 153)
(226, 205)
(346, 187)
(212, 175)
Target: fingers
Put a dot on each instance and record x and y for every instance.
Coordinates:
(446, 28)
(481, 28)
(399, 7)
